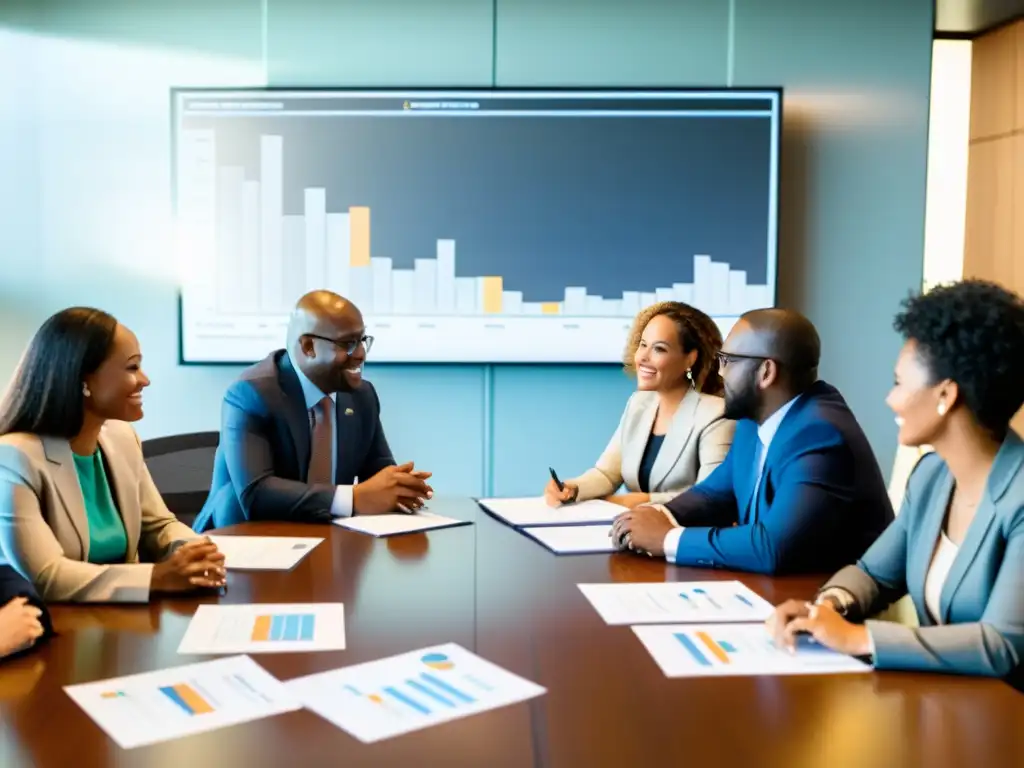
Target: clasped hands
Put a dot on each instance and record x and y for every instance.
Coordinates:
(400, 487)
(641, 529)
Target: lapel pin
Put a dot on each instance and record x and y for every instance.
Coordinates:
(349, 411)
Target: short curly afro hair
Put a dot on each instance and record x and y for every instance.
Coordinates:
(972, 332)
(696, 331)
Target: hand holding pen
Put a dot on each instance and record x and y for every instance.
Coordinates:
(557, 493)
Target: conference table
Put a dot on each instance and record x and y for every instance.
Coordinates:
(504, 597)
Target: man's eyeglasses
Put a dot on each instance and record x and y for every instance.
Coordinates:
(349, 345)
(724, 358)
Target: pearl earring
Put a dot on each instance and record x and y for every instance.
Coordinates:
(941, 409)
(85, 390)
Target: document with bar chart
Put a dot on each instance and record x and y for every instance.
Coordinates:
(156, 706)
(396, 695)
(265, 628)
(691, 601)
(471, 225)
(712, 650)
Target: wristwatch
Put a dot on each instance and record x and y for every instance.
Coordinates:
(839, 599)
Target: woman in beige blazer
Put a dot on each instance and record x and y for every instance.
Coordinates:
(671, 434)
(78, 508)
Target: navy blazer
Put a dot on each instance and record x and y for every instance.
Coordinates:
(12, 585)
(821, 503)
(981, 623)
(263, 457)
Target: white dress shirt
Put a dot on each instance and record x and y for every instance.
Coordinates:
(341, 506)
(765, 433)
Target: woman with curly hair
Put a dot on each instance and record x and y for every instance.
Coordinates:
(957, 547)
(672, 433)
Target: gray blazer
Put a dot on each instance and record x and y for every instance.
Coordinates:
(696, 442)
(44, 529)
(981, 631)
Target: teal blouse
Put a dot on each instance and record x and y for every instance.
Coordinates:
(108, 542)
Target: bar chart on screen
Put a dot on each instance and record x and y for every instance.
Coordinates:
(441, 228)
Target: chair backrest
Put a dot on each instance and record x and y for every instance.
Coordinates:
(181, 466)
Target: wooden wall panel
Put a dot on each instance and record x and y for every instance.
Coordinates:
(988, 231)
(993, 83)
(1019, 76)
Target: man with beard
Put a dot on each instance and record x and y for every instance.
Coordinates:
(299, 427)
(800, 489)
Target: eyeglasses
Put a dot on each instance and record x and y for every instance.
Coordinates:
(349, 345)
(724, 358)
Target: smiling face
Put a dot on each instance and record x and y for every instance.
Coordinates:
(919, 404)
(325, 357)
(115, 388)
(660, 361)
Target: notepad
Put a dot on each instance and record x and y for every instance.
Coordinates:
(534, 511)
(391, 525)
(573, 539)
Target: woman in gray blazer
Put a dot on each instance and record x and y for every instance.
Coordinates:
(79, 512)
(957, 546)
(671, 434)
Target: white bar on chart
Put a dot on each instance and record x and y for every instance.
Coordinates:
(381, 267)
(271, 207)
(630, 303)
(511, 302)
(664, 294)
(719, 288)
(403, 290)
(338, 249)
(466, 296)
(230, 263)
(683, 292)
(361, 288)
(532, 308)
(293, 241)
(647, 298)
(445, 277)
(737, 292)
(575, 301)
(759, 296)
(424, 300)
(611, 307)
(595, 306)
(316, 238)
(248, 280)
(702, 283)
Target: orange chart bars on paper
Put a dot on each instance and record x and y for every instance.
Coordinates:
(715, 648)
(492, 295)
(359, 236)
(261, 629)
(549, 308)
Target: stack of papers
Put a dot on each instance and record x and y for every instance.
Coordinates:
(573, 539)
(391, 525)
(534, 511)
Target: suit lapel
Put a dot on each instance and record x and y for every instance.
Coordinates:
(746, 454)
(65, 480)
(633, 440)
(122, 480)
(676, 439)
(295, 414)
(347, 429)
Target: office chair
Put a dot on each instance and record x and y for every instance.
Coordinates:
(181, 466)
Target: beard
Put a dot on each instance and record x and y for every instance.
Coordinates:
(742, 401)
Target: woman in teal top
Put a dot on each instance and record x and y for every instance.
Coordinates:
(80, 516)
(108, 542)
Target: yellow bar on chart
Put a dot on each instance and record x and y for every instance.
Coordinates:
(359, 236)
(549, 308)
(195, 702)
(492, 295)
(261, 629)
(715, 648)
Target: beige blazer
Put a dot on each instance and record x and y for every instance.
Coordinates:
(44, 531)
(696, 442)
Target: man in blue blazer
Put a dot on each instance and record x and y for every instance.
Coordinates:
(800, 489)
(299, 427)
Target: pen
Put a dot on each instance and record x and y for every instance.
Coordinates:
(554, 476)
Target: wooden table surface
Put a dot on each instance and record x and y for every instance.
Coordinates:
(501, 595)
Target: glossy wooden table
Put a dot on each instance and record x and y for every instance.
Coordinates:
(503, 596)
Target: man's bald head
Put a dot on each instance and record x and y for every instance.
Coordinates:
(321, 328)
(786, 336)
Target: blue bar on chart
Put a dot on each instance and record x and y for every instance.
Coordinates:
(418, 686)
(410, 702)
(449, 689)
(308, 626)
(689, 645)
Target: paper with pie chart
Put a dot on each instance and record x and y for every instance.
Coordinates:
(718, 650)
(672, 601)
(385, 698)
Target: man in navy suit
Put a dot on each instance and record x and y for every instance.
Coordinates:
(799, 490)
(299, 427)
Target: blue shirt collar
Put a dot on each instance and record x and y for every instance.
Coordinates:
(766, 432)
(310, 391)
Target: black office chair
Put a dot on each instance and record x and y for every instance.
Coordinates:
(181, 466)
